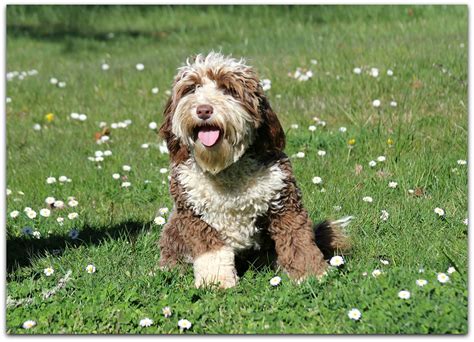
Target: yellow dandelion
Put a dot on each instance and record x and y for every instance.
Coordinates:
(351, 142)
(49, 117)
(390, 141)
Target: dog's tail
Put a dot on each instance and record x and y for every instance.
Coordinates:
(331, 237)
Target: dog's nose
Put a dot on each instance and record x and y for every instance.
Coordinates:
(204, 112)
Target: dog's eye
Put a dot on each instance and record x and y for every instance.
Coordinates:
(189, 89)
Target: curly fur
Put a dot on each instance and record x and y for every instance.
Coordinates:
(237, 200)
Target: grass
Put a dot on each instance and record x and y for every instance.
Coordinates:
(425, 46)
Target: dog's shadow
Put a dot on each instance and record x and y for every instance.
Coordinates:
(21, 251)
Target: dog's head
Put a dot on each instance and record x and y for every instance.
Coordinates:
(216, 111)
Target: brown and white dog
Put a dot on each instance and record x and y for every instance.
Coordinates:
(235, 196)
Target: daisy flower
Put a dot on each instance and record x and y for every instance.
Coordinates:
(368, 199)
(153, 125)
(342, 129)
(159, 220)
(50, 200)
(317, 180)
(443, 278)
(146, 322)
(376, 103)
(72, 216)
(300, 155)
(60, 220)
(31, 214)
(72, 203)
(357, 71)
(36, 234)
(381, 159)
(374, 72)
(53, 80)
(354, 314)
(105, 67)
(14, 214)
(163, 170)
(321, 153)
(336, 261)
(439, 211)
(421, 282)
(48, 271)
(58, 204)
(45, 212)
(393, 104)
(384, 262)
(392, 185)
(50, 180)
(155, 90)
(144, 146)
(126, 168)
(139, 67)
(163, 211)
(28, 324)
(166, 311)
(126, 184)
(116, 176)
(184, 324)
(90, 268)
(107, 153)
(82, 117)
(384, 215)
(312, 128)
(372, 163)
(390, 72)
(451, 270)
(462, 162)
(376, 273)
(294, 126)
(275, 281)
(404, 294)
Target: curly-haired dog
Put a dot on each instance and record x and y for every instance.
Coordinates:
(234, 192)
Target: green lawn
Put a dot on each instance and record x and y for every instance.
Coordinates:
(424, 46)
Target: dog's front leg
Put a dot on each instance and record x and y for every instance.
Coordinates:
(213, 261)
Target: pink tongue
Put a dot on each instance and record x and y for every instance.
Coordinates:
(208, 137)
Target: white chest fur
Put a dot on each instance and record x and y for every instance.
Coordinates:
(231, 201)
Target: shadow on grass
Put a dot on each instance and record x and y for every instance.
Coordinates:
(22, 250)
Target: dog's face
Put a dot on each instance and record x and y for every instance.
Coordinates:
(216, 111)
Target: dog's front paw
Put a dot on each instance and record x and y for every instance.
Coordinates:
(215, 268)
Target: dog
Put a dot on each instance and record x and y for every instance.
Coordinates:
(236, 199)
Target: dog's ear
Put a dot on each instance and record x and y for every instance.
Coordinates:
(178, 152)
(270, 134)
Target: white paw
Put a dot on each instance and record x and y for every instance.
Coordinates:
(223, 281)
(216, 268)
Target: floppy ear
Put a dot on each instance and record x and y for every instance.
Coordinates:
(178, 152)
(270, 134)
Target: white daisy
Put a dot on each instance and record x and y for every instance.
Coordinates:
(336, 261)
(461, 162)
(107, 153)
(376, 103)
(300, 155)
(50, 180)
(74, 116)
(36, 234)
(404, 294)
(116, 176)
(163, 211)
(372, 163)
(342, 129)
(421, 282)
(317, 180)
(58, 204)
(126, 184)
(48, 271)
(390, 72)
(392, 185)
(184, 324)
(155, 90)
(312, 128)
(72, 216)
(159, 220)
(146, 322)
(145, 146)
(163, 170)
(72, 203)
(82, 117)
(166, 311)
(439, 211)
(90, 268)
(14, 214)
(354, 314)
(105, 66)
(443, 278)
(393, 104)
(374, 72)
(368, 199)
(451, 270)
(37, 127)
(45, 212)
(60, 220)
(31, 214)
(381, 159)
(126, 168)
(53, 80)
(357, 71)
(384, 215)
(28, 324)
(321, 153)
(153, 125)
(139, 67)
(384, 262)
(376, 273)
(294, 126)
(275, 281)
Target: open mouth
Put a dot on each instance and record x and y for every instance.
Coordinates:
(208, 135)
